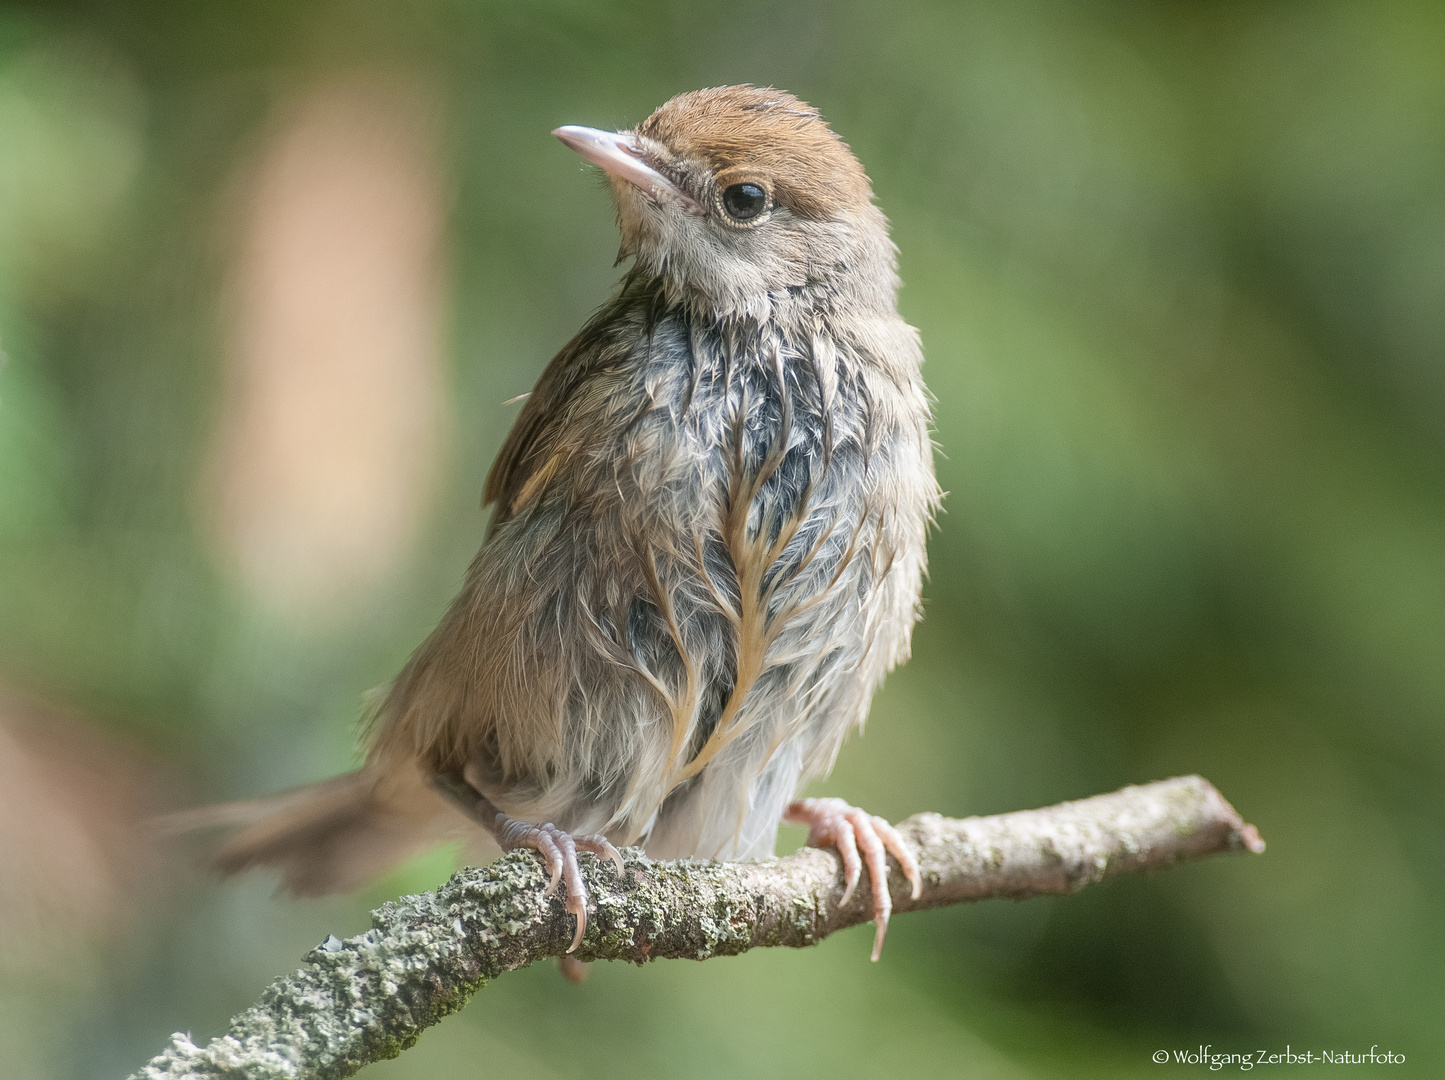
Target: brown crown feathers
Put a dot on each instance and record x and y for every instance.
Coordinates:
(767, 136)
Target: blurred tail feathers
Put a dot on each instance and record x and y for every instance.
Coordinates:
(332, 836)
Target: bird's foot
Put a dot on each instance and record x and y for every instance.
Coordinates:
(572, 969)
(834, 823)
(559, 856)
(557, 848)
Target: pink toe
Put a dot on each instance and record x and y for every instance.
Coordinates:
(552, 859)
(602, 848)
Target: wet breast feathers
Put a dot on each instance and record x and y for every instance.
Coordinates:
(707, 550)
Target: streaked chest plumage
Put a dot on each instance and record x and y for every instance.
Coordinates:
(706, 556)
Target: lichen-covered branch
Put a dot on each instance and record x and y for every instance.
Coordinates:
(370, 997)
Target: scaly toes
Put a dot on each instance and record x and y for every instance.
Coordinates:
(834, 823)
(559, 857)
(576, 890)
(899, 850)
(877, 858)
(828, 826)
(601, 847)
(841, 835)
(514, 834)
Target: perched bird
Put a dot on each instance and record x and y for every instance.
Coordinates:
(706, 546)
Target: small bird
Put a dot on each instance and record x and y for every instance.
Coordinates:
(706, 546)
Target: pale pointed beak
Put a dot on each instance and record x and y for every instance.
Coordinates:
(617, 155)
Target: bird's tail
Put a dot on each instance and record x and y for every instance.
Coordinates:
(327, 837)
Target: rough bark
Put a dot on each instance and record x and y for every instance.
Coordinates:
(369, 997)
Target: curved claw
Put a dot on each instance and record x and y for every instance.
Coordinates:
(581, 914)
(576, 890)
(559, 858)
(557, 847)
(834, 823)
(900, 851)
(880, 924)
(602, 848)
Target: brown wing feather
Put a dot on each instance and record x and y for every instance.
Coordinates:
(521, 455)
(529, 446)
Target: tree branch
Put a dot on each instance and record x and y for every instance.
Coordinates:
(369, 997)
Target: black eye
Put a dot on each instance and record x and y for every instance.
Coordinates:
(744, 201)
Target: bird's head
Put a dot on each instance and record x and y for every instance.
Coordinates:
(742, 199)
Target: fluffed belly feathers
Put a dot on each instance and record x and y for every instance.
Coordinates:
(707, 550)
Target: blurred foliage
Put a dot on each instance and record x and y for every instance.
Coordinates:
(1179, 270)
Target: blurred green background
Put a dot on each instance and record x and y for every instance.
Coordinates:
(269, 271)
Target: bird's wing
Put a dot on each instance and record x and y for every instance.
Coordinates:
(527, 458)
(520, 457)
(494, 689)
